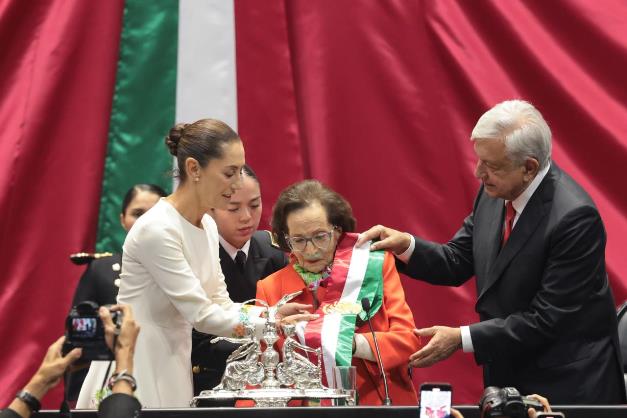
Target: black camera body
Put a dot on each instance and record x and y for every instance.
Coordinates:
(84, 329)
(506, 402)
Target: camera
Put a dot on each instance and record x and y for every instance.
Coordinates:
(84, 329)
(506, 402)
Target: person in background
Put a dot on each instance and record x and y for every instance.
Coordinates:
(100, 282)
(171, 273)
(535, 242)
(246, 255)
(121, 404)
(315, 224)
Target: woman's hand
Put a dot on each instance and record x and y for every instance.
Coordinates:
(294, 308)
(293, 319)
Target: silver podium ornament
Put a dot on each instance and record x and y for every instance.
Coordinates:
(251, 373)
(296, 369)
(242, 366)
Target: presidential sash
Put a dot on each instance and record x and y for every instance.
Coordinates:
(357, 273)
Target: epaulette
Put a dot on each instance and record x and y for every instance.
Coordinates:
(273, 240)
(84, 258)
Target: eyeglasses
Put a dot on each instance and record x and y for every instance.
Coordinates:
(321, 240)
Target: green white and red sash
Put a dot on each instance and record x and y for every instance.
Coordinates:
(357, 273)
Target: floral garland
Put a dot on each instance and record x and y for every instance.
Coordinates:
(313, 280)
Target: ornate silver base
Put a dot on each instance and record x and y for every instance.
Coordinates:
(277, 397)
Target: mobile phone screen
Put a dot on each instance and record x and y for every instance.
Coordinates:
(435, 402)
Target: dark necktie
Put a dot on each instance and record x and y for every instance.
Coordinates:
(510, 214)
(240, 260)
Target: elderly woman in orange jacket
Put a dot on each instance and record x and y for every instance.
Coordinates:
(315, 224)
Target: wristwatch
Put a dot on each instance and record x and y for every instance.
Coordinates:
(30, 400)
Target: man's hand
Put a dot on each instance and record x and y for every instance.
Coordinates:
(444, 342)
(52, 368)
(390, 239)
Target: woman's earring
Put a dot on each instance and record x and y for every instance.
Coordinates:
(197, 179)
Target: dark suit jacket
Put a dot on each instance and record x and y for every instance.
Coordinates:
(548, 322)
(208, 360)
(97, 284)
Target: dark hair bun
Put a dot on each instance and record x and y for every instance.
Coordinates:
(173, 139)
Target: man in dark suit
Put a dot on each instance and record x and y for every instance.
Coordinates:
(536, 244)
(246, 256)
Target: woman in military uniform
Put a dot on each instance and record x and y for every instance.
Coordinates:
(246, 256)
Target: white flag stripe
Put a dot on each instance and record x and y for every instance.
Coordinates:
(206, 79)
(206, 84)
(330, 327)
(356, 273)
(330, 331)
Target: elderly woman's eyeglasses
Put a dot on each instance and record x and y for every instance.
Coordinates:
(321, 240)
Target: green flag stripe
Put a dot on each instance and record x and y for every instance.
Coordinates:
(373, 283)
(142, 112)
(371, 288)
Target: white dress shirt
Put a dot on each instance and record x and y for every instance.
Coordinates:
(231, 250)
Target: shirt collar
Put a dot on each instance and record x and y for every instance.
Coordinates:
(231, 250)
(521, 201)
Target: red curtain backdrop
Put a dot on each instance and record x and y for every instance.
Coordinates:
(378, 99)
(58, 68)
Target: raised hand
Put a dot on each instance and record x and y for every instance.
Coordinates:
(389, 239)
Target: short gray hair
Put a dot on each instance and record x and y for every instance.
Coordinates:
(521, 126)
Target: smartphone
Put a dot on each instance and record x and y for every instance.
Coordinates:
(435, 400)
(550, 415)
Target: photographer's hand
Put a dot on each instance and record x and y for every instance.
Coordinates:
(544, 401)
(456, 414)
(47, 376)
(125, 343)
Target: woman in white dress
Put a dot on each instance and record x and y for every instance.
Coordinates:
(171, 272)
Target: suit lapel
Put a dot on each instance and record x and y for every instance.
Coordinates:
(526, 225)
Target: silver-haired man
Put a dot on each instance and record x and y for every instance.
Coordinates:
(536, 244)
